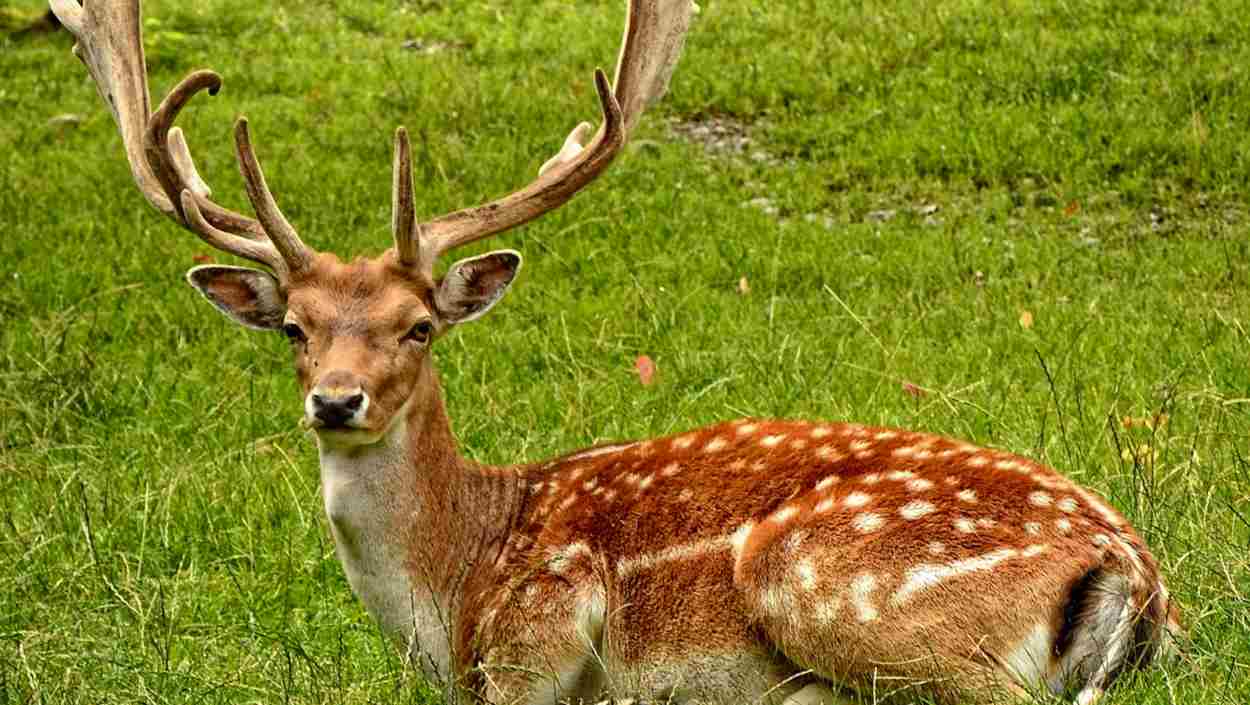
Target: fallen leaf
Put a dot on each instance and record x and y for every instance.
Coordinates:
(202, 259)
(1026, 319)
(914, 391)
(1072, 208)
(744, 287)
(646, 370)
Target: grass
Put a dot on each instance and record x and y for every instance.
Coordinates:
(161, 531)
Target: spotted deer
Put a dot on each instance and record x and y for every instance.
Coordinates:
(750, 561)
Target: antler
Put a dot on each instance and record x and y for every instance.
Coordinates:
(110, 43)
(654, 33)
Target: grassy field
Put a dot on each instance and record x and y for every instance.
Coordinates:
(1021, 223)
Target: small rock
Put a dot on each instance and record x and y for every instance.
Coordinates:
(65, 119)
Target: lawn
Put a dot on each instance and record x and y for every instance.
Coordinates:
(1020, 223)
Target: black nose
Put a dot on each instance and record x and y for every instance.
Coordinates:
(335, 411)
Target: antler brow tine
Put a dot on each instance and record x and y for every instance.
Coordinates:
(403, 211)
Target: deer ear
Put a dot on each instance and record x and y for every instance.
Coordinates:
(472, 286)
(249, 296)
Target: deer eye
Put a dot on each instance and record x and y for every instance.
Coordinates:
(294, 333)
(420, 332)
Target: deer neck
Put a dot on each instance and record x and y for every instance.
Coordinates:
(413, 521)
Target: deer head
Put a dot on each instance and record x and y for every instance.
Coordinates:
(360, 331)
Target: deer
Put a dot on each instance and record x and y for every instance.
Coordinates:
(755, 560)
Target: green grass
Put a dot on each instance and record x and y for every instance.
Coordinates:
(161, 530)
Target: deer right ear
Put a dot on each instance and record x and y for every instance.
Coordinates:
(472, 286)
(249, 296)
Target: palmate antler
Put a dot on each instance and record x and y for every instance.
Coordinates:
(110, 44)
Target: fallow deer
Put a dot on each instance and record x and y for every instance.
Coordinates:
(750, 561)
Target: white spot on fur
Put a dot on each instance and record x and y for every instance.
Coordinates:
(871, 478)
(904, 452)
(1101, 540)
(865, 454)
(590, 484)
(784, 514)
(568, 502)
(855, 500)
(1007, 465)
(738, 538)
(924, 454)
(1040, 499)
(1032, 528)
(670, 469)
(867, 523)
(965, 526)
(1064, 526)
(821, 432)
(919, 485)
(772, 441)
(827, 453)
(715, 445)
(978, 461)
(967, 496)
(1036, 549)
(925, 576)
(824, 505)
(827, 612)
(645, 482)
(937, 548)
(1066, 505)
(885, 435)
(798, 444)
(747, 429)
(915, 510)
(683, 442)
(900, 475)
(826, 483)
(686, 495)
(950, 480)
(986, 523)
(680, 552)
(859, 445)
(806, 573)
(861, 597)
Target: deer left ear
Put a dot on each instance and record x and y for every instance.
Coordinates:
(472, 286)
(249, 296)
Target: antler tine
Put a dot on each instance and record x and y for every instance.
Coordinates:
(403, 212)
(109, 42)
(654, 34)
(281, 234)
(166, 149)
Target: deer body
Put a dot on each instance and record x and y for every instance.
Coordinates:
(756, 558)
(752, 561)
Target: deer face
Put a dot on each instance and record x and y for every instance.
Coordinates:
(360, 331)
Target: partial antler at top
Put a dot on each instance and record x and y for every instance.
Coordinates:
(110, 44)
(655, 31)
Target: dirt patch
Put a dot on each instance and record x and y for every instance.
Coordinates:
(722, 136)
